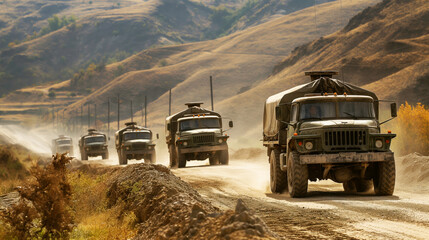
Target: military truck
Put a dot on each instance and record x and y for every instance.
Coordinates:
(327, 129)
(62, 144)
(196, 134)
(135, 142)
(93, 144)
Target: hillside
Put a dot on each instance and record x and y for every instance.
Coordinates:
(384, 48)
(237, 62)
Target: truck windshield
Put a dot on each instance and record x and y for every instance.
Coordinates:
(356, 110)
(94, 139)
(64, 142)
(199, 123)
(136, 135)
(319, 110)
(327, 110)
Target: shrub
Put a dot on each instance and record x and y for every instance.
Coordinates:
(412, 128)
(51, 94)
(43, 210)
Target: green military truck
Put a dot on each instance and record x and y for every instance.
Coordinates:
(93, 144)
(196, 134)
(62, 144)
(327, 129)
(135, 142)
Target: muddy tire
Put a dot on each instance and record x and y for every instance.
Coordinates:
(151, 158)
(297, 176)
(173, 157)
(84, 157)
(278, 178)
(214, 160)
(384, 180)
(224, 157)
(123, 158)
(105, 155)
(181, 159)
(363, 185)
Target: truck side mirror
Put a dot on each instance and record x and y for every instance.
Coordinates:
(278, 113)
(393, 111)
(168, 127)
(231, 124)
(157, 136)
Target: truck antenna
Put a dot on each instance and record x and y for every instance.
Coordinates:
(211, 91)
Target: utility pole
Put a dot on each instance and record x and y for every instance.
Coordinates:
(132, 114)
(169, 103)
(81, 117)
(145, 111)
(118, 111)
(95, 115)
(211, 91)
(108, 117)
(89, 117)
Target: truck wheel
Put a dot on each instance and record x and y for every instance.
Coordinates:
(363, 185)
(181, 159)
(123, 158)
(214, 160)
(297, 176)
(151, 158)
(105, 155)
(224, 157)
(173, 160)
(84, 156)
(278, 178)
(384, 180)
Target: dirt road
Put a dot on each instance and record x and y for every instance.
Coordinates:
(327, 212)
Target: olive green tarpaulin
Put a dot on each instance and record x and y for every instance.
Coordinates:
(322, 85)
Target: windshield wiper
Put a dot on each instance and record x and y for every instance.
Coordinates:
(312, 118)
(351, 115)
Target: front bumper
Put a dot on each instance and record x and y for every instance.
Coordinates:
(200, 149)
(139, 151)
(346, 157)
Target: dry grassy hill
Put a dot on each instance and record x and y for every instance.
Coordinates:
(237, 62)
(384, 48)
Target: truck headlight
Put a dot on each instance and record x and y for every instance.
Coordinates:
(87, 149)
(128, 148)
(220, 140)
(104, 147)
(378, 143)
(309, 145)
(185, 144)
(149, 147)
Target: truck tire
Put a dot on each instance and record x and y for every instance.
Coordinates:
(151, 158)
(84, 156)
(181, 159)
(123, 158)
(297, 176)
(357, 185)
(278, 178)
(173, 158)
(214, 160)
(224, 157)
(384, 180)
(105, 155)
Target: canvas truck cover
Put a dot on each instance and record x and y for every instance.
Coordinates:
(171, 120)
(322, 85)
(129, 126)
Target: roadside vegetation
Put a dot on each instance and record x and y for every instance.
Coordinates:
(412, 129)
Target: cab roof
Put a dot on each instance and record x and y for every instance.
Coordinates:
(334, 98)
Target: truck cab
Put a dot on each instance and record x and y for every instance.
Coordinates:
(62, 144)
(196, 134)
(318, 135)
(93, 144)
(135, 142)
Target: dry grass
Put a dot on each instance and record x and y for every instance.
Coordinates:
(412, 128)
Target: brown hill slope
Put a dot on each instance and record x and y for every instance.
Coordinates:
(237, 62)
(385, 49)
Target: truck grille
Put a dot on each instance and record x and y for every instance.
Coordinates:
(203, 138)
(345, 139)
(95, 147)
(139, 145)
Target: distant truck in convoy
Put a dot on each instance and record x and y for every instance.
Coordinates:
(62, 144)
(135, 142)
(196, 134)
(93, 144)
(327, 129)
